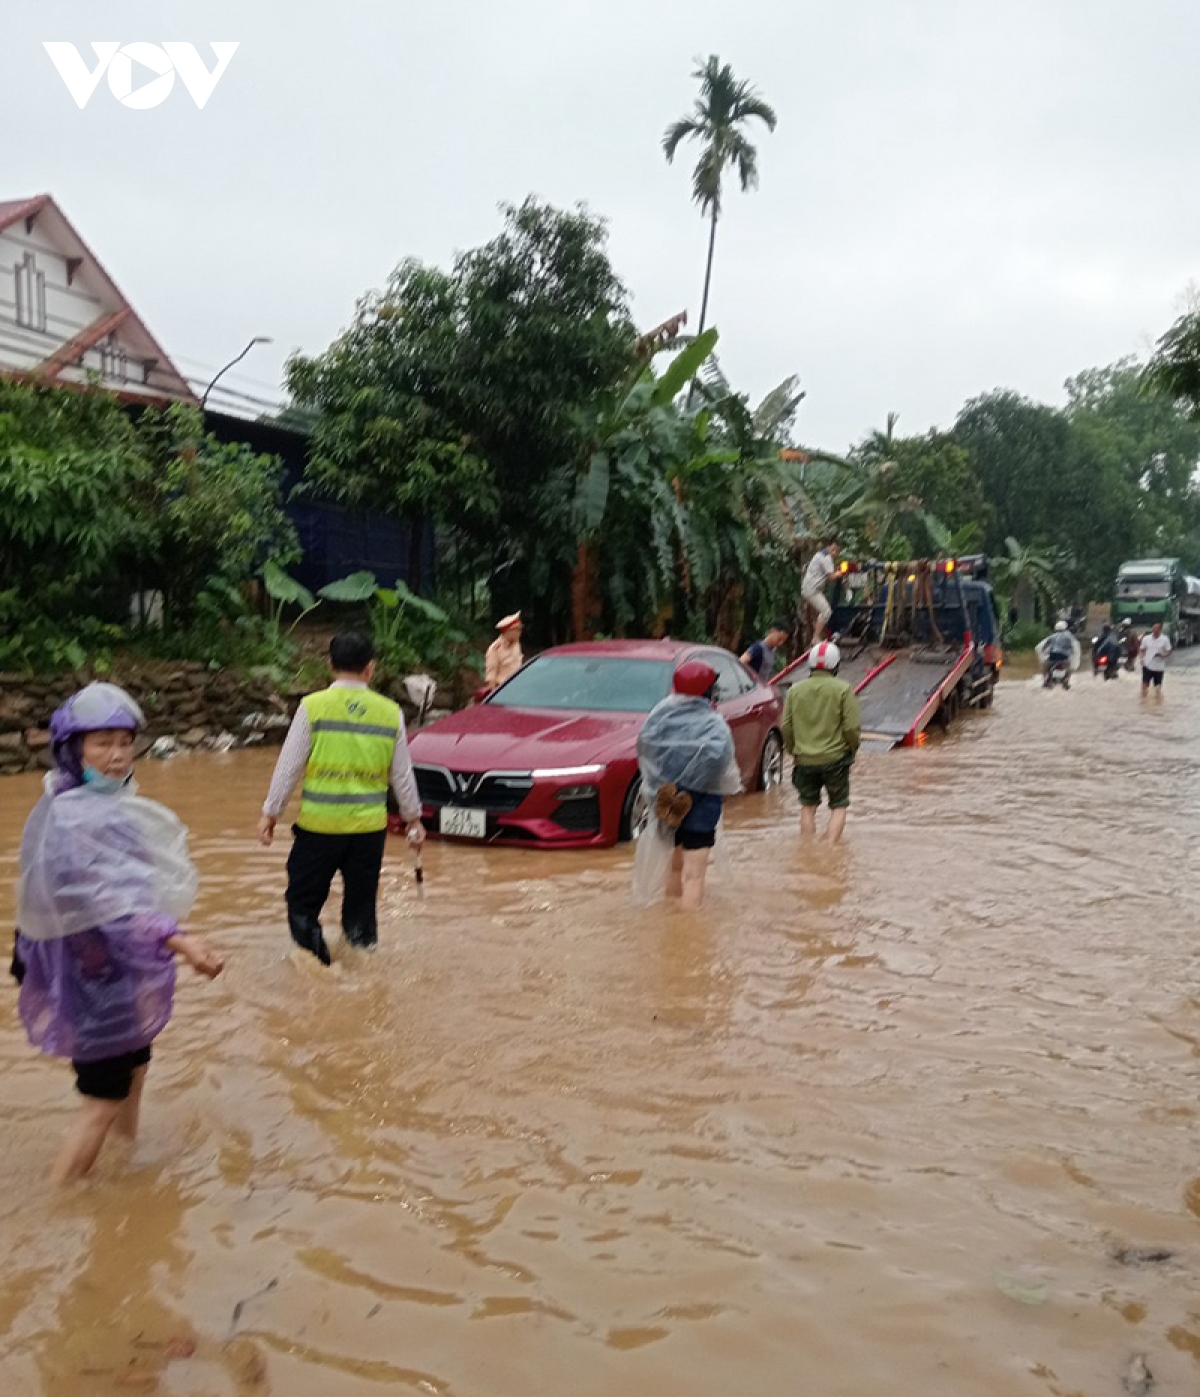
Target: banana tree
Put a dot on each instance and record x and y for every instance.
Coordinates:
(1030, 574)
(629, 502)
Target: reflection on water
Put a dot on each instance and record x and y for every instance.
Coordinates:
(876, 1121)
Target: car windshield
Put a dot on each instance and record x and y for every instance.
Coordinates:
(1143, 588)
(595, 683)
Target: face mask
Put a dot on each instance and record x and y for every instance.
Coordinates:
(105, 785)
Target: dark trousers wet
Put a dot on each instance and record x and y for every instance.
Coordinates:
(314, 859)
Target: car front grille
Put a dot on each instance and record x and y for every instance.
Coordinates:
(491, 790)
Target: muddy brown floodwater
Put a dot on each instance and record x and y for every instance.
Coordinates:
(917, 1119)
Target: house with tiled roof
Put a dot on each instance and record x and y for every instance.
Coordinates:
(63, 319)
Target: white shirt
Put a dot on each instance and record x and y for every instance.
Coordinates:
(297, 747)
(819, 569)
(1154, 651)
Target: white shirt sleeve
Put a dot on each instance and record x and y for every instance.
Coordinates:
(404, 781)
(293, 758)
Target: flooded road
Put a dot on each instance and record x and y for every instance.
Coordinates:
(903, 1120)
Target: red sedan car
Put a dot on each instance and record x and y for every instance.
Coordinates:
(550, 759)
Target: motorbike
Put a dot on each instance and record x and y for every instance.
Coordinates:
(1058, 671)
(1107, 665)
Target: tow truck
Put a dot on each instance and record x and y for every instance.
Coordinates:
(920, 642)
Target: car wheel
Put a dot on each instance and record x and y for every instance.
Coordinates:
(635, 813)
(770, 764)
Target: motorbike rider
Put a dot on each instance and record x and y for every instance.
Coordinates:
(1059, 647)
(1107, 649)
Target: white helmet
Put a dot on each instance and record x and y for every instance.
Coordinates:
(1060, 626)
(824, 655)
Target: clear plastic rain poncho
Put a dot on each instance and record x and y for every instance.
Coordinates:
(687, 742)
(1060, 640)
(105, 879)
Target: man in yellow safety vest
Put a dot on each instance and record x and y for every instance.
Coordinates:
(348, 742)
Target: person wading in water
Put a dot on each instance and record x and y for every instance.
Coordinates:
(348, 742)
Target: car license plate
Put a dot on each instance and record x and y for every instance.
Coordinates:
(461, 823)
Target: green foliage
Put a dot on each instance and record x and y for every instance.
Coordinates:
(95, 506)
(684, 501)
(204, 509)
(1174, 368)
(724, 107)
(924, 488)
(1024, 635)
(69, 464)
(1031, 578)
(459, 395)
(1110, 477)
(32, 643)
(409, 631)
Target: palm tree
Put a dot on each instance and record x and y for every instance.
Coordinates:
(723, 108)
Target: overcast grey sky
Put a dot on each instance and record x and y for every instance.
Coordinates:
(960, 194)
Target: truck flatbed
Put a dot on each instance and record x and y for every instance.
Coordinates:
(899, 691)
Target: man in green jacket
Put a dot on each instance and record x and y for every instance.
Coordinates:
(822, 728)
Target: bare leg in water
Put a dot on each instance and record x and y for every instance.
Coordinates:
(84, 1140)
(837, 823)
(808, 820)
(127, 1117)
(694, 872)
(675, 874)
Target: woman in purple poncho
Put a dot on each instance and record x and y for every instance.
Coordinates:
(105, 879)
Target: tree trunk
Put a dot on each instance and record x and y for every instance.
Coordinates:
(712, 239)
(585, 604)
(1025, 600)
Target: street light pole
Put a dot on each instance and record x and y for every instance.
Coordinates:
(258, 339)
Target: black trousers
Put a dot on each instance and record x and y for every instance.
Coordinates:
(314, 859)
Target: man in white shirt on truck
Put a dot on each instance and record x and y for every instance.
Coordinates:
(812, 589)
(1153, 651)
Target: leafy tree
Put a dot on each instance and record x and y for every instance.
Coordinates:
(1174, 368)
(69, 462)
(924, 489)
(383, 431)
(718, 120)
(203, 509)
(1142, 453)
(466, 394)
(1021, 454)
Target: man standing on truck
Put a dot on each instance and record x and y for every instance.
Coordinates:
(1154, 650)
(822, 728)
(812, 588)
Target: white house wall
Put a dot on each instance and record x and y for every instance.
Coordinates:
(70, 309)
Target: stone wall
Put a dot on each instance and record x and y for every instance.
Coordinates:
(186, 705)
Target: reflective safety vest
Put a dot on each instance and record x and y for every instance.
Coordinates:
(354, 733)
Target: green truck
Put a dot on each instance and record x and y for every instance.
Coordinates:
(1158, 589)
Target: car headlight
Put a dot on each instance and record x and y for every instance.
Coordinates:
(553, 773)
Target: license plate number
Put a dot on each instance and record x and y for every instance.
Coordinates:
(461, 823)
